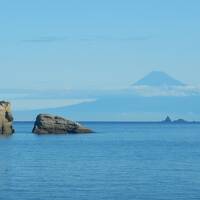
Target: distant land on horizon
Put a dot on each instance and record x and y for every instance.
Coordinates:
(167, 120)
(129, 104)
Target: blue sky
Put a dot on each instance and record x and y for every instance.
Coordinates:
(50, 44)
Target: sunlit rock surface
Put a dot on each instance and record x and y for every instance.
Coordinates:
(6, 118)
(49, 124)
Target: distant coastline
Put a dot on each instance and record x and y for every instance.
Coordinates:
(179, 121)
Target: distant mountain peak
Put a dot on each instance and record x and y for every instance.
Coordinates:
(158, 78)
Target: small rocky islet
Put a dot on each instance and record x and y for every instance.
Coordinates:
(50, 124)
(168, 120)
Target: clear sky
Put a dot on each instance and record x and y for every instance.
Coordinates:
(97, 43)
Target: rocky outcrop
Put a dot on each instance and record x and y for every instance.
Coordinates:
(6, 118)
(178, 121)
(167, 120)
(49, 124)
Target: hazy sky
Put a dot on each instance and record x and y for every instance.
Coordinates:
(97, 43)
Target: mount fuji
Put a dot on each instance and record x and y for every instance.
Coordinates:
(158, 78)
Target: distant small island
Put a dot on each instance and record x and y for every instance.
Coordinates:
(168, 120)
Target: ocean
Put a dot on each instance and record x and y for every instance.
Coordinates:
(120, 161)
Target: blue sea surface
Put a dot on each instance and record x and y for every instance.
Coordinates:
(120, 161)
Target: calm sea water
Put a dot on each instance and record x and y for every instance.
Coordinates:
(121, 161)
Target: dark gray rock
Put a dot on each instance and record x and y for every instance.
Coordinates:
(6, 118)
(49, 124)
(180, 121)
(167, 120)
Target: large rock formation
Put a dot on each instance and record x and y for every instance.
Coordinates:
(6, 118)
(47, 124)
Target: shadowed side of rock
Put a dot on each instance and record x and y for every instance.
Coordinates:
(6, 118)
(49, 124)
